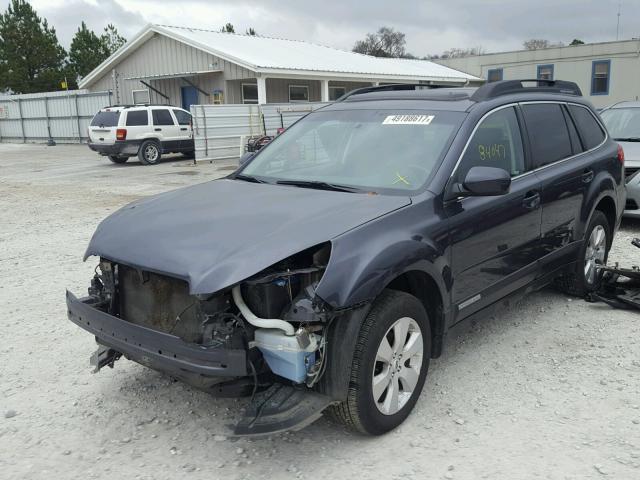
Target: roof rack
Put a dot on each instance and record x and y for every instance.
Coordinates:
(506, 87)
(139, 105)
(388, 88)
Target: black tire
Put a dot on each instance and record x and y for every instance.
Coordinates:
(360, 411)
(575, 283)
(116, 159)
(150, 152)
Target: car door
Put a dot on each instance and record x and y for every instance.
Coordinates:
(565, 174)
(494, 240)
(183, 119)
(165, 127)
(137, 124)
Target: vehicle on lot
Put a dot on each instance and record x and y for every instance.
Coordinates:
(146, 131)
(326, 271)
(623, 123)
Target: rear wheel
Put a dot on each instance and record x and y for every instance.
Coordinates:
(149, 153)
(594, 251)
(117, 159)
(389, 366)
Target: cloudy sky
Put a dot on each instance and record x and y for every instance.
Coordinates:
(430, 26)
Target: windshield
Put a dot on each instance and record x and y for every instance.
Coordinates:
(622, 123)
(373, 150)
(105, 119)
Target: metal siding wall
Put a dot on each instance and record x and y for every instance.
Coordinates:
(66, 114)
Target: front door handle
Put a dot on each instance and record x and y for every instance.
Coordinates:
(531, 200)
(158, 129)
(587, 176)
(184, 129)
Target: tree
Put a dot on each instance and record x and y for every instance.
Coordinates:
(538, 43)
(462, 52)
(228, 28)
(31, 59)
(87, 51)
(250, 31)
(386, 42)
(111, 39)
(576, 41)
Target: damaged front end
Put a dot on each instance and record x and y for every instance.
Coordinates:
(267, 334)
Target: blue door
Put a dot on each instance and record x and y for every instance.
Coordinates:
(189, 97)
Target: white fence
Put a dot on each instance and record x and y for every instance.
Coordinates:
(59, 116)
(221, 131)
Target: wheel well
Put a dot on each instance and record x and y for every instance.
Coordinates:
(608, 207)
(424, 288)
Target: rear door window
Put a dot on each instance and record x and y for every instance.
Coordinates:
(162, 117)
(183, 117)
(590, 130)
(497, 143)
(137, 118)
(106, 119)
(548, 133)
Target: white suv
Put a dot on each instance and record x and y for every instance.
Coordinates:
(148, 131)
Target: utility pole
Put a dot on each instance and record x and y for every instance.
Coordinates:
(618, 24)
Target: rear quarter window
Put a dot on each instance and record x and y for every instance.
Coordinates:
(590, 130)
(548, 133)
(106, 119)
(137, 118)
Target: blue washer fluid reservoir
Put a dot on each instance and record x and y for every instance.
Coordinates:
(284, 355)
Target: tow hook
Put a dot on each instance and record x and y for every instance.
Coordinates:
(102, 357)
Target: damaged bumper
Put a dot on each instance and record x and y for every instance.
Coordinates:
(157, 350)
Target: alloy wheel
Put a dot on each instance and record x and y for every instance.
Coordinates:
(397, 366)
(595, 253)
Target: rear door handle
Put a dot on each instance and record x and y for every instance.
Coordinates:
(531, 200)
(158, 129)
(587, 176)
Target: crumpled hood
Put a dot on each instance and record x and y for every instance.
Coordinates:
(218, 233)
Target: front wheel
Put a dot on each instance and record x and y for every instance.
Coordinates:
(149, 153)
(389, 366)
(594, 251)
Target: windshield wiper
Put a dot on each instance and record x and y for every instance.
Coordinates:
(248, 178)
(319, 185)
(627, 139)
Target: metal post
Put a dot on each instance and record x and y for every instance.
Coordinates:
(24, 139)
(206, 139)
(50, 142)
(78, 119)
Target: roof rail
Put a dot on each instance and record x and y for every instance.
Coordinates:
(506, 87)
(139, 105)
(387, 88)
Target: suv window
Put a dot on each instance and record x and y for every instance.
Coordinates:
(592, 134)
(548, 133)
(137, 118)
(162, 117)
(496, 143)
(183, 117)
(105, 119)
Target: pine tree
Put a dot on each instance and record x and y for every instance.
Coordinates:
(111, 39)
(87, 51)
(31, 58)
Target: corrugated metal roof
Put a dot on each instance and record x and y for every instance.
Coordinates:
(266, 53)
(278, 56)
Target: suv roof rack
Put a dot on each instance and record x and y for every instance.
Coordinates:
(139, 105)
(388, 88)
(506, 87)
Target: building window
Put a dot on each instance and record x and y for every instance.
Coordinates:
(600, 74)
(494, 75)
(249, 93)
(336, 92)
(298, 93)
(141, 97)
(545, 72)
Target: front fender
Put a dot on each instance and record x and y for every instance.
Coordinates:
(365, 260)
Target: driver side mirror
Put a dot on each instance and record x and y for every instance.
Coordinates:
(484, 182)
(246, 156)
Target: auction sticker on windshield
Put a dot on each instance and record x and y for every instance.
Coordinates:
(408, 120)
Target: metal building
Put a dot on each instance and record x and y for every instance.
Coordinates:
(185, 66)
(606, 72)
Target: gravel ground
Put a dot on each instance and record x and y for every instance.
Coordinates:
(547, 388)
